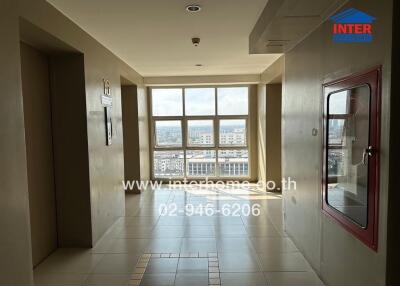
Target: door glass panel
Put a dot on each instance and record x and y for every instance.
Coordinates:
(232, 132)
(347, 142)
(168, 164)
(200, 163)
(168, 133)
(200, 133)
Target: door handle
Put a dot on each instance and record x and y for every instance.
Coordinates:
(368, 152)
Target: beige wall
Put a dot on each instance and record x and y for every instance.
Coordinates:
(269, 96)
(39, 151)
(262, 132)
(393, 253)
(273, 117)
(339, 258)
(105, 163)
(131, 132)
(144, 137)
(106, 166)
(15, 245)
(253, 148)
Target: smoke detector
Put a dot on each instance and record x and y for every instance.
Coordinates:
(196, 41)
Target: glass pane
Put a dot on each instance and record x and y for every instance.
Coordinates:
(233, 101)
(167, 102)
(200, 101)
(233, 163)
(347, 141)
(232, 132)
(339, 104)
(168, 133)
(168, 164)
(200, 133)
(200, 163)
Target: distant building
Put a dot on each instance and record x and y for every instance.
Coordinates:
(231, 163)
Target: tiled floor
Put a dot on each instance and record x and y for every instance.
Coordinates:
(214, 248)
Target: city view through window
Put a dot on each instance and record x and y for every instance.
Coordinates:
(200, 132)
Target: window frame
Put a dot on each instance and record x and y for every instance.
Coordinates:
(369, 234)
(184, 123)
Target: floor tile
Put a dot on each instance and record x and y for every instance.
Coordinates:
(281, 244)
(137, 221)
(198, 245)
(283, 262)
(293, 278)
(117, 264)
(199, 231)
(227, 220)
(193, 265)
(72, 261)
(60, 279)
(186, 250)
(199, 220)
(229, 230)
(107, 280)
(162, 265)
(171, 220)
(102, 246)
(262, 231)
(168, 245)
(168, 231)
(239, 262)
(242, 279)
(234, 245)
(134, 232)
(192, 279)
(163, 279)
(131, 245)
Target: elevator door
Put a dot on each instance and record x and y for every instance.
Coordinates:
(39, 152)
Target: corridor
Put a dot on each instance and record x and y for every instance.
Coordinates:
(199, 143)
(183, 246)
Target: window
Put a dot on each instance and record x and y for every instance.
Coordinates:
(232, 132)
(168, 133)
(200, 163)
(233, 163)
(233, 101)
(351, 144)
(168, 164)
(199, 101)
(167, 102)
(200, 132)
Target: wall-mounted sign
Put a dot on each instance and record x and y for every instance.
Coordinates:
(106, 100)
(106, 87)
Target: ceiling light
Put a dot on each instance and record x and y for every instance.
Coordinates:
(193, 8)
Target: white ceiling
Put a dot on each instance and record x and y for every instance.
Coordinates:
(154, 36)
